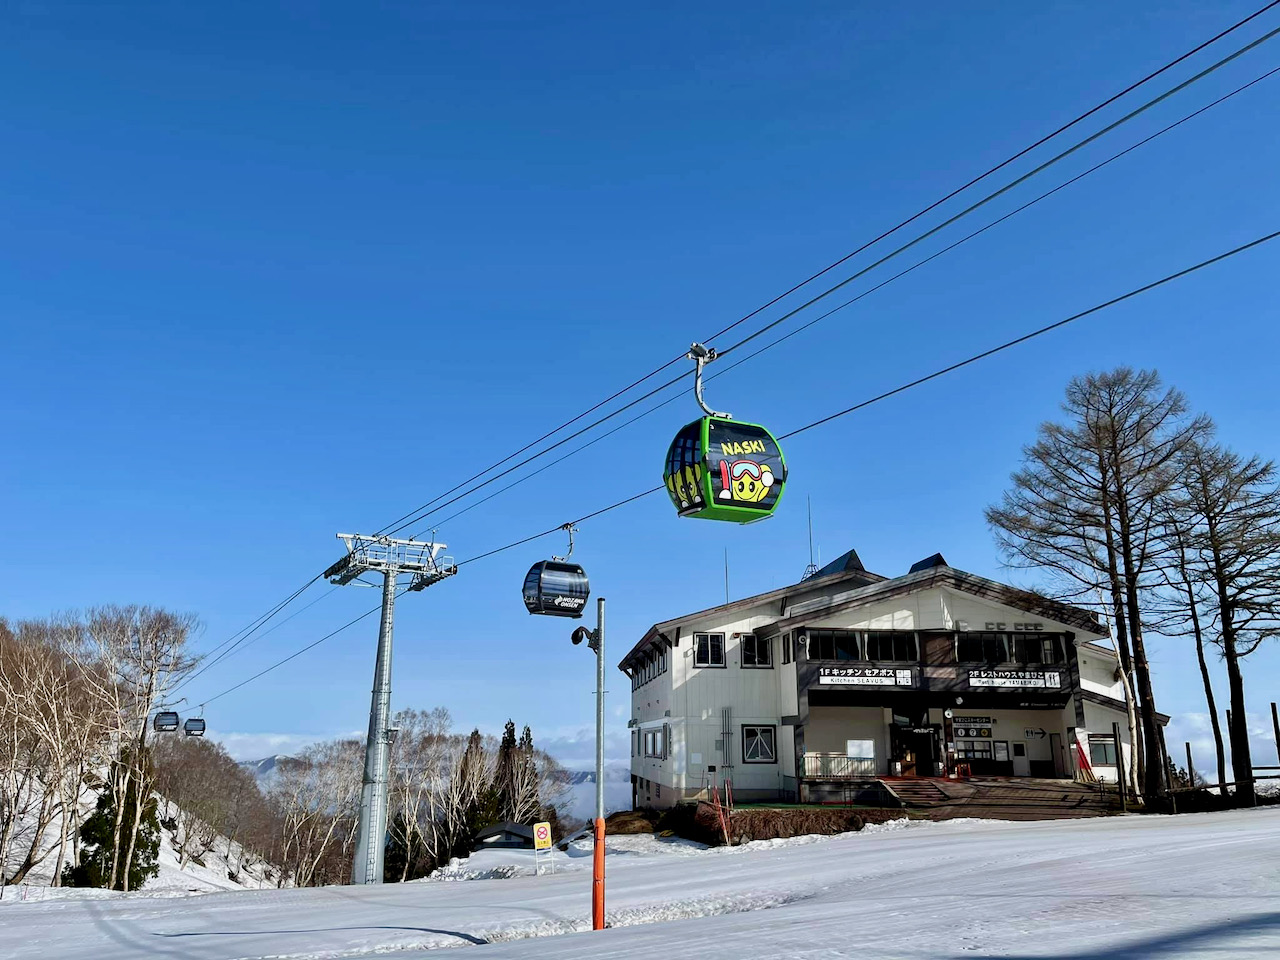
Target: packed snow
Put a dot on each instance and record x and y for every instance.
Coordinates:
(1123, 888)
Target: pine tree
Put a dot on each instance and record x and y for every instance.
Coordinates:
(97, 833)
(504, 775)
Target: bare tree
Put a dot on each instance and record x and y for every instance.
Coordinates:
(1234, 546)
(1083, 507)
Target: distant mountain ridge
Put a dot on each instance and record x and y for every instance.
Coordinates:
(264, 768)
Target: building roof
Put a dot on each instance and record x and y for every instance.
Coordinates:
(869, 587)
(845, 568)
(506, 826)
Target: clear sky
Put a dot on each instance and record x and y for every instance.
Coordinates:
(273, 271)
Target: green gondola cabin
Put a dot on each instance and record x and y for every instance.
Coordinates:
(722, 469)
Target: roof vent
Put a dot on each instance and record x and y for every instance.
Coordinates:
(937, 560)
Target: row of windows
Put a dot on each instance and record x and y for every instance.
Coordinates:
(759, 743)
(903, 646)
(651, 743)
(873, 645)
(1024, 648)
(753, 652)
(653, 667)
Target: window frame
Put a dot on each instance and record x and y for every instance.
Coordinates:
(709, 665)
(773, 741)
(757, 643)
(1108, 743)
(788, 649)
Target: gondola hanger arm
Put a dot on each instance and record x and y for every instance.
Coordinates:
(701, 356)
(571, 530)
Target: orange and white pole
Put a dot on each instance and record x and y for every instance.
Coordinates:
(597, 872)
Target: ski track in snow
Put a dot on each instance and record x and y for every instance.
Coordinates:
(1131, 888)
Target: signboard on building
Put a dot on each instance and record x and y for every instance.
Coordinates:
(865, 676)
(542, 836)
(1015, 678)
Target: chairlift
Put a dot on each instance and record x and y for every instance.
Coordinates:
(166, 721)
(718, 468)
(555, 587)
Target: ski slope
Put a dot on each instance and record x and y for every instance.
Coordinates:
(1202, 886)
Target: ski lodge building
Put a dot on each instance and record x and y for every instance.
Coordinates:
(847, 677)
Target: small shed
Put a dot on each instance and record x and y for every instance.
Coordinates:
(509, 835)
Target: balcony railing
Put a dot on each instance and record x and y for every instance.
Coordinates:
(837, 766)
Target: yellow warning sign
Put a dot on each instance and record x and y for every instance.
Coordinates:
(542, 836)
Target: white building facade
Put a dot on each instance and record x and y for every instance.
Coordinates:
(808, 692)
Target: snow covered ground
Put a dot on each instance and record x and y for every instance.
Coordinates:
(1195, 886)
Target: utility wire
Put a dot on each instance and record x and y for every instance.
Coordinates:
(925, 379)
(1008, 344)
(417, 514)
(883, 283)
(1074, 148)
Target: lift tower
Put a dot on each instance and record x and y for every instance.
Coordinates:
(422, 564)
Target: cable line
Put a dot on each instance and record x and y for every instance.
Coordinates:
(1074, 148)
(1008, 344)
(419, 513)
(925, 379)
(883, 283)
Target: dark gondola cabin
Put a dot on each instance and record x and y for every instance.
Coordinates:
(194, 727)
(166, 721)
(555, 588)
(721, 469)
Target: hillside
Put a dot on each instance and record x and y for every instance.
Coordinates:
(1120, 888)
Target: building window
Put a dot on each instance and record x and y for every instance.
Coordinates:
(756, 651)
(657, 791)
(655, 743)
(758, 745)
(979, 647)
(1102, 750)
(708, 649)
(834, 645)
(787, 654)
(1034, 648)
(897, 645)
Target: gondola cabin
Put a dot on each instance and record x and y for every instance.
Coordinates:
(555, 588)
(166, 721)
(721, 469)
(194, 727)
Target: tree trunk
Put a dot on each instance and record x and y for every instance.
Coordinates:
(1241, 761)
(1209, 700)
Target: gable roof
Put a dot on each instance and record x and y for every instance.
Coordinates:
(506, 826)
(851, 570)
(867, 587)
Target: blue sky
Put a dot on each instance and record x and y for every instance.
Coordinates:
(268, 272)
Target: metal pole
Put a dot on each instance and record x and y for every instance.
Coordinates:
(597, 880)
(1191, 771)
(371, 843)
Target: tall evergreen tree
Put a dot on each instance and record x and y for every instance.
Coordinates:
(97, 833)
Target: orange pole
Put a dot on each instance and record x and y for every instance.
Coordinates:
(597, 878)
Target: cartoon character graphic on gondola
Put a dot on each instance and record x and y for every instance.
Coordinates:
(744, 481)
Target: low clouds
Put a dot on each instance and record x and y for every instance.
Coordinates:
(1195, 728)
(256, 746)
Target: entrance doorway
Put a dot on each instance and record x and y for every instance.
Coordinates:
(915, 749)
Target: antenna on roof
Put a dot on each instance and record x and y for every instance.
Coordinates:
(812, 568)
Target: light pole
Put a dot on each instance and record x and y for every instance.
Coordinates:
(595, 640)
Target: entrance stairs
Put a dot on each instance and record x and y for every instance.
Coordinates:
(1001, 798)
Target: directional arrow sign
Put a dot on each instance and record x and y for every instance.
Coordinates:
(1038, 733)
